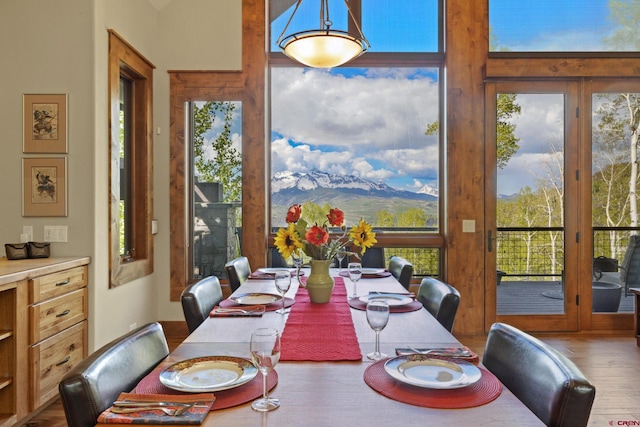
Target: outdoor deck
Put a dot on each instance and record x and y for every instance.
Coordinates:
(519, 297)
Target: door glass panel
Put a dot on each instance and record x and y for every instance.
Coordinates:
(616, 117)
(216, 179)
(529, 241)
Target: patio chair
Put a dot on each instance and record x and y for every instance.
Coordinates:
(547, 382)
(628, 275)
(199, 299)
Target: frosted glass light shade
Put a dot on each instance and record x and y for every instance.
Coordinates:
(322, 48)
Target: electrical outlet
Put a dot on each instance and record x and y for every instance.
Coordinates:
(28, 231)
(468, 226)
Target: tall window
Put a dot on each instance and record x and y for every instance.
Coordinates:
(130, 212)
(364, 137)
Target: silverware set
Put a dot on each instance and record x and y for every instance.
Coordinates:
(169, 408)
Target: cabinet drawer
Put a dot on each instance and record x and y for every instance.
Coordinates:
(55, 314)
(55, 284)
(51, 359)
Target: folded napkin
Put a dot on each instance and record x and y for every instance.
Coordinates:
(194, 415)
(241, 311)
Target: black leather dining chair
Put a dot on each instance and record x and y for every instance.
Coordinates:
(402, 270)
(547, 382)
(440, 299)
(373, 258)
(238, 270)
(95, 383)
(199, 299)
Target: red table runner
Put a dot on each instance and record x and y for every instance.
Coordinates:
(320, 332)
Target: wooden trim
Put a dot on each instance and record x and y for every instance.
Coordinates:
(124, 59)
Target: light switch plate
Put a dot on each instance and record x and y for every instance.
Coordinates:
(55, 233)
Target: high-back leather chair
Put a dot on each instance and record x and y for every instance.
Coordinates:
(238, 270)
(199, 299)
(95, 383)
(372, 258)
(402, 270)
(440, 299)
(544, 380)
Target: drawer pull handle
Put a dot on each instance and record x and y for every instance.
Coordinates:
(64, 313)
(63, 361)
(64, 282)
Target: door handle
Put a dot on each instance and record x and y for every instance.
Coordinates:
(490, 241)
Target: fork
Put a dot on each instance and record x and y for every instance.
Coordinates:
(460, 353)
(168, 411)
(237, 310)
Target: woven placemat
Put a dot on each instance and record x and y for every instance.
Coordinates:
(487, 389)
(224, 399)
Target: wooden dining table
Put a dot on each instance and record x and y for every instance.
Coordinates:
(334, 393)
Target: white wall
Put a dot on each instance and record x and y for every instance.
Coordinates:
(61, 47)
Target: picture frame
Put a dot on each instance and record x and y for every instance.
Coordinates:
(44, 123)
(44, 186)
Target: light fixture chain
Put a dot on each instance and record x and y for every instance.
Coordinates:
(299, 2)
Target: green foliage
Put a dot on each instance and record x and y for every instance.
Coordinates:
(217, 160)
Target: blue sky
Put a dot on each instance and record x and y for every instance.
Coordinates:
(371, 122)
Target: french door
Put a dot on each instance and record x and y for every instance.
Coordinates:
(533, 201)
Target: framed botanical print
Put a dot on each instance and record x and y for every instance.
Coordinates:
(44, 183)
(44, 123)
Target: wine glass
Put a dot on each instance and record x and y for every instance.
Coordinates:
(283, 283)
(355, 274)
(377, 316)
(340, 256)
(265, 354)
(297, 263)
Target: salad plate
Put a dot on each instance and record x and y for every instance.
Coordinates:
(394, 300)
(208, 374)
(424, 371)
(255, 298)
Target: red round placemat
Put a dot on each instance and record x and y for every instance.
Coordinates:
(480, 393)
(412, 306)
(224, 399)
(288, 302)
(368, 275)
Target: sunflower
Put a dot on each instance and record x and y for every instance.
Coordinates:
(363, 235)
(287, 241)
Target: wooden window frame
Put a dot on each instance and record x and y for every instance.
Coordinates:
(126, 61)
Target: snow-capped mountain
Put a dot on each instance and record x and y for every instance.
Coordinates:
(427, 189)
(287, 185)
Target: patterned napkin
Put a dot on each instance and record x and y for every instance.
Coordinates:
(195, 415)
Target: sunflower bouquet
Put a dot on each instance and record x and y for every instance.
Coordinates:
(316, 242)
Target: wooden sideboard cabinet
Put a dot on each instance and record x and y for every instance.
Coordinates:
(43, 330)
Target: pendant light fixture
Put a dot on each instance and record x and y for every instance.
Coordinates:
(323, 47)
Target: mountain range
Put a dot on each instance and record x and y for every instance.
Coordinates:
(285, 185)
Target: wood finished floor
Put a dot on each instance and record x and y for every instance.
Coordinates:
(610, 361)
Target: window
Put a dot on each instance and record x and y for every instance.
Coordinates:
(365, 137)
(130, 124)
(564, 26)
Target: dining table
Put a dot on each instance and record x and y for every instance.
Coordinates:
(347, 392)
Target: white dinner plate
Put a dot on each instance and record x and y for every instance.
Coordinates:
(208, 374)
(423, 371)
(255, 298)
(394, 300)
(270, 270)
(373, 270)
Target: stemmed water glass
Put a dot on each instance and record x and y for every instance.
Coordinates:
(340, 256)
(377, 316)
(297, 263)
(355, 274)
(265, 354)
(283, 283)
